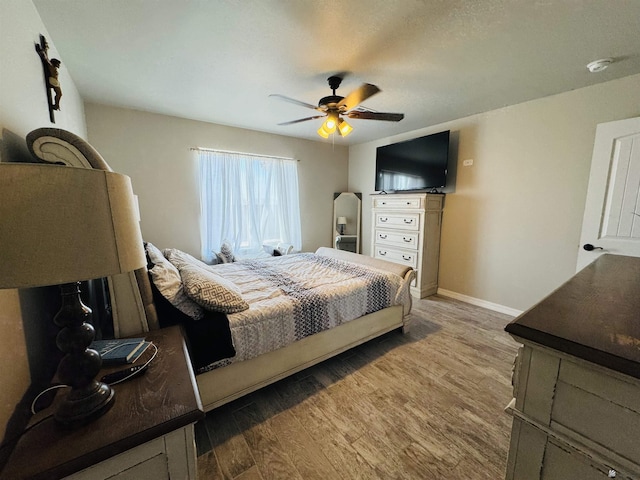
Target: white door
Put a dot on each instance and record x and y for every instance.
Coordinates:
(611, 221)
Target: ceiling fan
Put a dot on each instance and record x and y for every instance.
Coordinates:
(333, 107)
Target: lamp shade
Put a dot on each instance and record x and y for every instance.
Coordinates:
(322, 132)
(342, 220)
(344, 128)
(61, 224)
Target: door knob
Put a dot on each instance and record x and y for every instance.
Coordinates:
(588, 247)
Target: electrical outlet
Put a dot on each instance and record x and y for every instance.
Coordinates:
(468, 163)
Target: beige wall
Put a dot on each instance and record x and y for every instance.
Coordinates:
(154, 151)
(23, 107)
(511, 230)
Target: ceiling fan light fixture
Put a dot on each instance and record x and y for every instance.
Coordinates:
(331, 123)
(344, 128)
(322, 132)
(334, 106)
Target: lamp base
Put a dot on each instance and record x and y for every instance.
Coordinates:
(82, 406)
(88, 398)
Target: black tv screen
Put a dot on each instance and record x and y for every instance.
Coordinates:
(417, 164)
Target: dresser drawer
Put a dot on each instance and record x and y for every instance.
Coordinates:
(598, 408)
(403, 203)
(397, 256)
(397, 239)
(536, 455)
(562, 463)
(410, 221)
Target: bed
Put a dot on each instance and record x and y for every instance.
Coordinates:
(302, 309)
(373, 295)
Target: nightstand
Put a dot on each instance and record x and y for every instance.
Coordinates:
(147, 434)
(346, 242)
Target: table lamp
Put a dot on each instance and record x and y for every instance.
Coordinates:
(62, 225)
(342, 221)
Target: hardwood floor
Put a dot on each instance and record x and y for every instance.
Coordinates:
(426, 405)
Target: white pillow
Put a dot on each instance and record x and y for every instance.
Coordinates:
(167, 280)
(180, 258)
(154, 253)
(212, 291)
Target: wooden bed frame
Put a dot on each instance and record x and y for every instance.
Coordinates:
(223, 385)
(134, 311)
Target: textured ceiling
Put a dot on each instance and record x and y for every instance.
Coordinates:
(434, 60)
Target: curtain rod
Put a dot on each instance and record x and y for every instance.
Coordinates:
(200, 149)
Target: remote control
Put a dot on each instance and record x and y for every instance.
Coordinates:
(122, 374)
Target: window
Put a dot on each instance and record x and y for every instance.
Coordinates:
(247, 200)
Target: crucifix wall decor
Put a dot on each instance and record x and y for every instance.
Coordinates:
(50, 68)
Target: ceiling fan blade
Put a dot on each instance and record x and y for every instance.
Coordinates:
(301, 120)
(358, 96)
(389, 117)
(293, 100)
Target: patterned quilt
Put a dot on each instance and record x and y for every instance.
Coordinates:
(294, 296)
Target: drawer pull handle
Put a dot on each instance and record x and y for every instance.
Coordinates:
(408, 240)
(384, 219)
(408, 203)
(410, 220)
(383, 237)
(404, 257)
(383, 203)
(382, 253)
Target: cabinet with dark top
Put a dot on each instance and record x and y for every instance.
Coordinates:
(147, 434)
(576, 405)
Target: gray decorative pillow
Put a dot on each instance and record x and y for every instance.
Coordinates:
(166, 278)
(211, 291)
(226, 253)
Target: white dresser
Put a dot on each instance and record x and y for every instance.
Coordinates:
(406, 230)
(576, 406)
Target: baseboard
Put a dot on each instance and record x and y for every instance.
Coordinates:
(480, 303)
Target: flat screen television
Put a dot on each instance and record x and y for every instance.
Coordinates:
(417, 164)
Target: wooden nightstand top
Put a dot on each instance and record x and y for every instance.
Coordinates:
(163, 399)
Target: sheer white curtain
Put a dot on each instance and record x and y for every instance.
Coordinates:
(248, 201)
